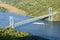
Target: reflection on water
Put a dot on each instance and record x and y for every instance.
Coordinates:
(54, 29)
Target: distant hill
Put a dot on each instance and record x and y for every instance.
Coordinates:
(35, 7)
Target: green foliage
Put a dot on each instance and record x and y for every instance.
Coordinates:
(11, 34)
(35, 7)
(56, 17)
(3, 9)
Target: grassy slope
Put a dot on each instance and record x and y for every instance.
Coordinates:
(35, 7)
(12, 9)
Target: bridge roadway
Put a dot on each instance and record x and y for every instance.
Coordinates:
(33, 19)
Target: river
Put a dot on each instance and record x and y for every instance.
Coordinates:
(49, 30)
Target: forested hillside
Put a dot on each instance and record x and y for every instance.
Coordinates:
(35, 7)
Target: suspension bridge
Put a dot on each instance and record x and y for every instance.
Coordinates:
(51, 13)
(30, 20)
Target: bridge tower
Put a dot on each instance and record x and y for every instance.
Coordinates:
(51, 17)
(50, 13)
(11, 21)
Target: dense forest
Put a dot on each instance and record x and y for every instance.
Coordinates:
(36, 8)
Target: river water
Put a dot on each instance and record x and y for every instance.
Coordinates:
(49, 30)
